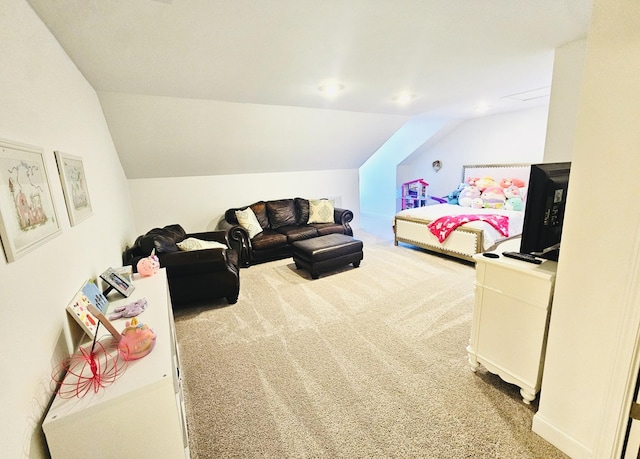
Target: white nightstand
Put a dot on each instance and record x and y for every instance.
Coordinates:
(511, 317)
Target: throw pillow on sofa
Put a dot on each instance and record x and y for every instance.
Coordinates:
(192, 243)
(281, 213)
(320, 211)
(247, 219)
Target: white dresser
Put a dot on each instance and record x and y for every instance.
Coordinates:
(511, 317)
(141, 415)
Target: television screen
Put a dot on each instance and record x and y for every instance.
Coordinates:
(544, 209)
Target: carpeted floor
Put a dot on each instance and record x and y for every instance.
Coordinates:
(360, 363)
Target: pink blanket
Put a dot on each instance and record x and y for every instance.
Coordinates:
(443, 226)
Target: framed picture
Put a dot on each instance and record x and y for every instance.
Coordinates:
(74, 186)
(88, 307)
(28, 214)
(117, 281)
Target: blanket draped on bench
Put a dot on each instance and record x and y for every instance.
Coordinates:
(443, 226)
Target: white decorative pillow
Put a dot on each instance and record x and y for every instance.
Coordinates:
(248, 220)
(191, 243)
(320, 211)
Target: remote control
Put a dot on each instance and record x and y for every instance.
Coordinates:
(522, 257)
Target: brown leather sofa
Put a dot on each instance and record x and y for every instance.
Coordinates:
(196, 275)
(283, 222)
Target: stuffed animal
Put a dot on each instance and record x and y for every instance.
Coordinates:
(148, 266)
(467, 195)
(493, 197)
(477, 203)
(514, 204)
(507, 182)
(452, 198)
(485, 182)
(514, 199)
(517, 182)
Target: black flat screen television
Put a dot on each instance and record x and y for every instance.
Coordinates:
(544, 209)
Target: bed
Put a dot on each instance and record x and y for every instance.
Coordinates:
(488, 226)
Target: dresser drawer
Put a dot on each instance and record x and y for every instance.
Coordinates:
(528, 285)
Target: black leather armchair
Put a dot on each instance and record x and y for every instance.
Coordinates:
(196, 275)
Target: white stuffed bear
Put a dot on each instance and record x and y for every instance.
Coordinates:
(467, 195)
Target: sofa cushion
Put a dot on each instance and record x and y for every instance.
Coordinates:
(320, 211)
(260, 209)
(268, 239)
(247, 219)
(298, 233)
(328, 228)
(302, 211)
(281, 213)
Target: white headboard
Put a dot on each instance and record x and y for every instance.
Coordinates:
(497, 171)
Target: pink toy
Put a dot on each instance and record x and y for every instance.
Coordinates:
(137, 340)
(89, 370)
(493, 197)
(148, 266)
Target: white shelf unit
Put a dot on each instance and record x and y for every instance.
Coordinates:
(510, 320)
(142, 414)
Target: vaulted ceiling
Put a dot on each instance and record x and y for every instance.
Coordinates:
(205, 87)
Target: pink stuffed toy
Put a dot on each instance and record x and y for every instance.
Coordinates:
(148, 266)
(493, 197)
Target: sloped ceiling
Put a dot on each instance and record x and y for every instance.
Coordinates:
(205, 87)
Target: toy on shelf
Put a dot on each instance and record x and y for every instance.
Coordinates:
(89, 369)
(129, 310)
(137, 340)
(148, 266)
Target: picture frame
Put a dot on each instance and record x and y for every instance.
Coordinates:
(28, 215)
(87, 308)
(74, 187)
(117, 281)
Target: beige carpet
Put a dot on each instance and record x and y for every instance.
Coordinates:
(360, 363)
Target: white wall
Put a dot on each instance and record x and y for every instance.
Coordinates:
(198, 203)
(515, 137)
(378, 173)
(568, 68)
(45, 101)
(177, 137)
(595, 315)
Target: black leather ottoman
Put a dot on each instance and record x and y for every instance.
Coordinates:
(325, 253)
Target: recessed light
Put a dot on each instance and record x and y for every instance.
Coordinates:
(330, 89)
(404, 98)
(481, 107)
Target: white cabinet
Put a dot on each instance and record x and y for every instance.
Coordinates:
(510, 320)
(140, 415)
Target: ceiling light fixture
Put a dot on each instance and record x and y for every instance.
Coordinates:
(331, 89)
(404, 98)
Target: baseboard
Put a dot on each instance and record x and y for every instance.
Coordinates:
(568, 445)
